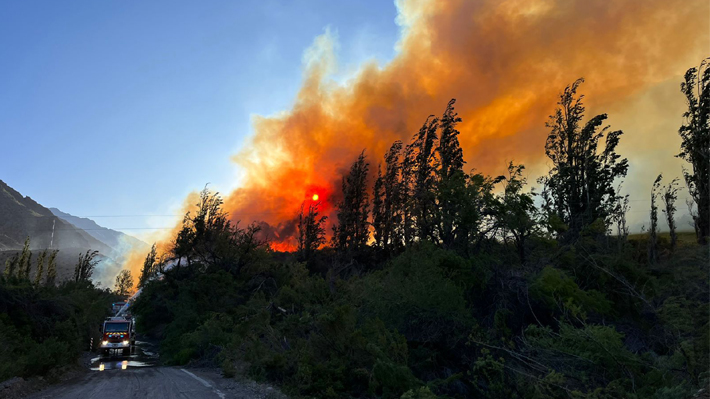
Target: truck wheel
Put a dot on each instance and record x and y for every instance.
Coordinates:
(104, 352)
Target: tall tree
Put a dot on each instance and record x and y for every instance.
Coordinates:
(621, 208)
(52, 268)
(419, 167)
(378, 209)
(653, 230)
(148, 269)
(695, 144)
(388, 202)
(85, 266)
(669, 197)
(451, 179)
(25, 262)
(124, 283)
(352, 231)
(40, 268)
(449, 150)
(579, 188)
(311, 232)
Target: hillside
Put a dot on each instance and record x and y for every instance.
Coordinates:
(117, 240)
(22, 216)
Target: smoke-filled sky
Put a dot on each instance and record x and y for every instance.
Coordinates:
(368, 74)
(505, 62)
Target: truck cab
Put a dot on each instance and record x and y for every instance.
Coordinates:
(118, 333)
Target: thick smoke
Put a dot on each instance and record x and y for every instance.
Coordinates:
(505, 61)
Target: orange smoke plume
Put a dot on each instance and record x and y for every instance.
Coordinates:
(505, 61)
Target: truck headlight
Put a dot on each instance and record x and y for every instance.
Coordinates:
(104, 343)
(125, 343)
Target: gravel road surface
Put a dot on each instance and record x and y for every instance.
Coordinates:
(156, 383)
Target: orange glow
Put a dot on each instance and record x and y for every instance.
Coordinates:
(282, 246)
(505, 61)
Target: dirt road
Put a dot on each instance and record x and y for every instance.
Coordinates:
(155, 383)
(147, 382)
(136, 376)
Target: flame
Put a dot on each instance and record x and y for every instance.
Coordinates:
(505, 61)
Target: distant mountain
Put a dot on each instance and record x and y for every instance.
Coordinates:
(21, 217)
(114, 239)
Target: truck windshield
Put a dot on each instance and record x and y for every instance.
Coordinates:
(115, 327)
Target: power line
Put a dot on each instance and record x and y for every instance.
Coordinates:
(112, 228)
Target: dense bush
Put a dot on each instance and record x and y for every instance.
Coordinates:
(46, 327)
(432, 323)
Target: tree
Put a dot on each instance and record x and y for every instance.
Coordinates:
(451, 180)
(124, 283)
(695, 143)
(148, 267)
(11, 265)
(621, 208)
(653, 230)
(418, 168)
(202, 233)
(378, 209)
(25, 262)
(40, 268)
(579, 188)
(670, 195)
(85, 266)
(51, 268)
(477, 220)
(516, 209)
(352, 233)
(388, 202)
(209, 240)
(311, 233)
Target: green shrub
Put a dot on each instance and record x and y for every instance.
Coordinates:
(559, 291)
(43, 328)
(420, 393)
(415, 297)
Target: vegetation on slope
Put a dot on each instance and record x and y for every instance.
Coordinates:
(442, 283)
(44, 326)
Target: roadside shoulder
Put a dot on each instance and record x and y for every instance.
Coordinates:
(18, 387)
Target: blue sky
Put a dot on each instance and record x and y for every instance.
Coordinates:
(122, 108)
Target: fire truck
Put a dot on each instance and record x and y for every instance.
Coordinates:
(118, 334)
